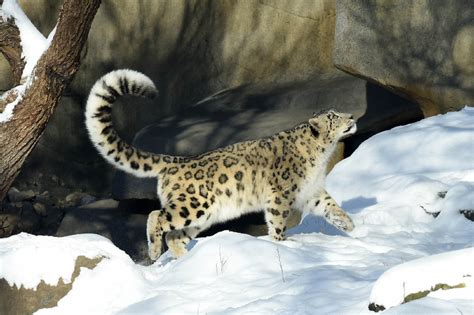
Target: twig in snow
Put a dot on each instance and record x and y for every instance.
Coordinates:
(221, 263)
(281, 266)
(434, 214)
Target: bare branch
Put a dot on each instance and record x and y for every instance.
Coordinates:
(64, 54)
(53, 72)
(10, 47)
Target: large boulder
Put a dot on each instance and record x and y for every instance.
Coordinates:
(21, 300)
(419, 49)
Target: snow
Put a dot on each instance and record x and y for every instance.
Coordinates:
(452, 268)
(18, 267)
(20, 91)
(387, 186)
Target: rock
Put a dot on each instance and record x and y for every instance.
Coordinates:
(419, 49)
(54, 179)
(376, 308)
(46, 199)
(14, 300)
(26, 216)
(40, 209)
(9, 218)
(17, 205)
(72, 199)
(462, 52)
(13, 192)
(104, 217)
(87, 199)
(8, 222)
(28, 195)
(29, 221)
(50, 223)
(468, 214)
(15, 195)
(78, 199)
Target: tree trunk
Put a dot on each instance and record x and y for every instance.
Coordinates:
(54, 71)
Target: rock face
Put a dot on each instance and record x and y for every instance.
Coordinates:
(191, 49)
(14, 300)
(419, 49)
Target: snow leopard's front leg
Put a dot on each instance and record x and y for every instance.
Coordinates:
(276, 215)
(324, 205)
(177, 240)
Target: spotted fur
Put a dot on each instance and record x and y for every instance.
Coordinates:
(277, 174)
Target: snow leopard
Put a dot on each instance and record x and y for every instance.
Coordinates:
(276, 175)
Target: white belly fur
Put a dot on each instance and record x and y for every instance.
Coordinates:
(310, 188)
(229, 209)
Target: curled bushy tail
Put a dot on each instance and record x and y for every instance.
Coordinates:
(102, 132)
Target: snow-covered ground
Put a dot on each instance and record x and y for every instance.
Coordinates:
(388, 185)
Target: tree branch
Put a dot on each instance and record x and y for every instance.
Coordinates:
(10, 47)
(54, 71)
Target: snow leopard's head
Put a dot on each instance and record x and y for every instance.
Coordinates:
(333, 125)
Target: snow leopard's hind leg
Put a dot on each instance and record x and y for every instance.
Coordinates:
(177, 230)
(327, 207)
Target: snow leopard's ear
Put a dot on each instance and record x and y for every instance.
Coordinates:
(315, 126)
(315, 122)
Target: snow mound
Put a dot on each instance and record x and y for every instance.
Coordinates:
(26, 259)
(451, 270)
(234, 254)
(410, 169)
(392, 186)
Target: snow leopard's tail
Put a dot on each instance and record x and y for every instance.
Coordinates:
(101, 129)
